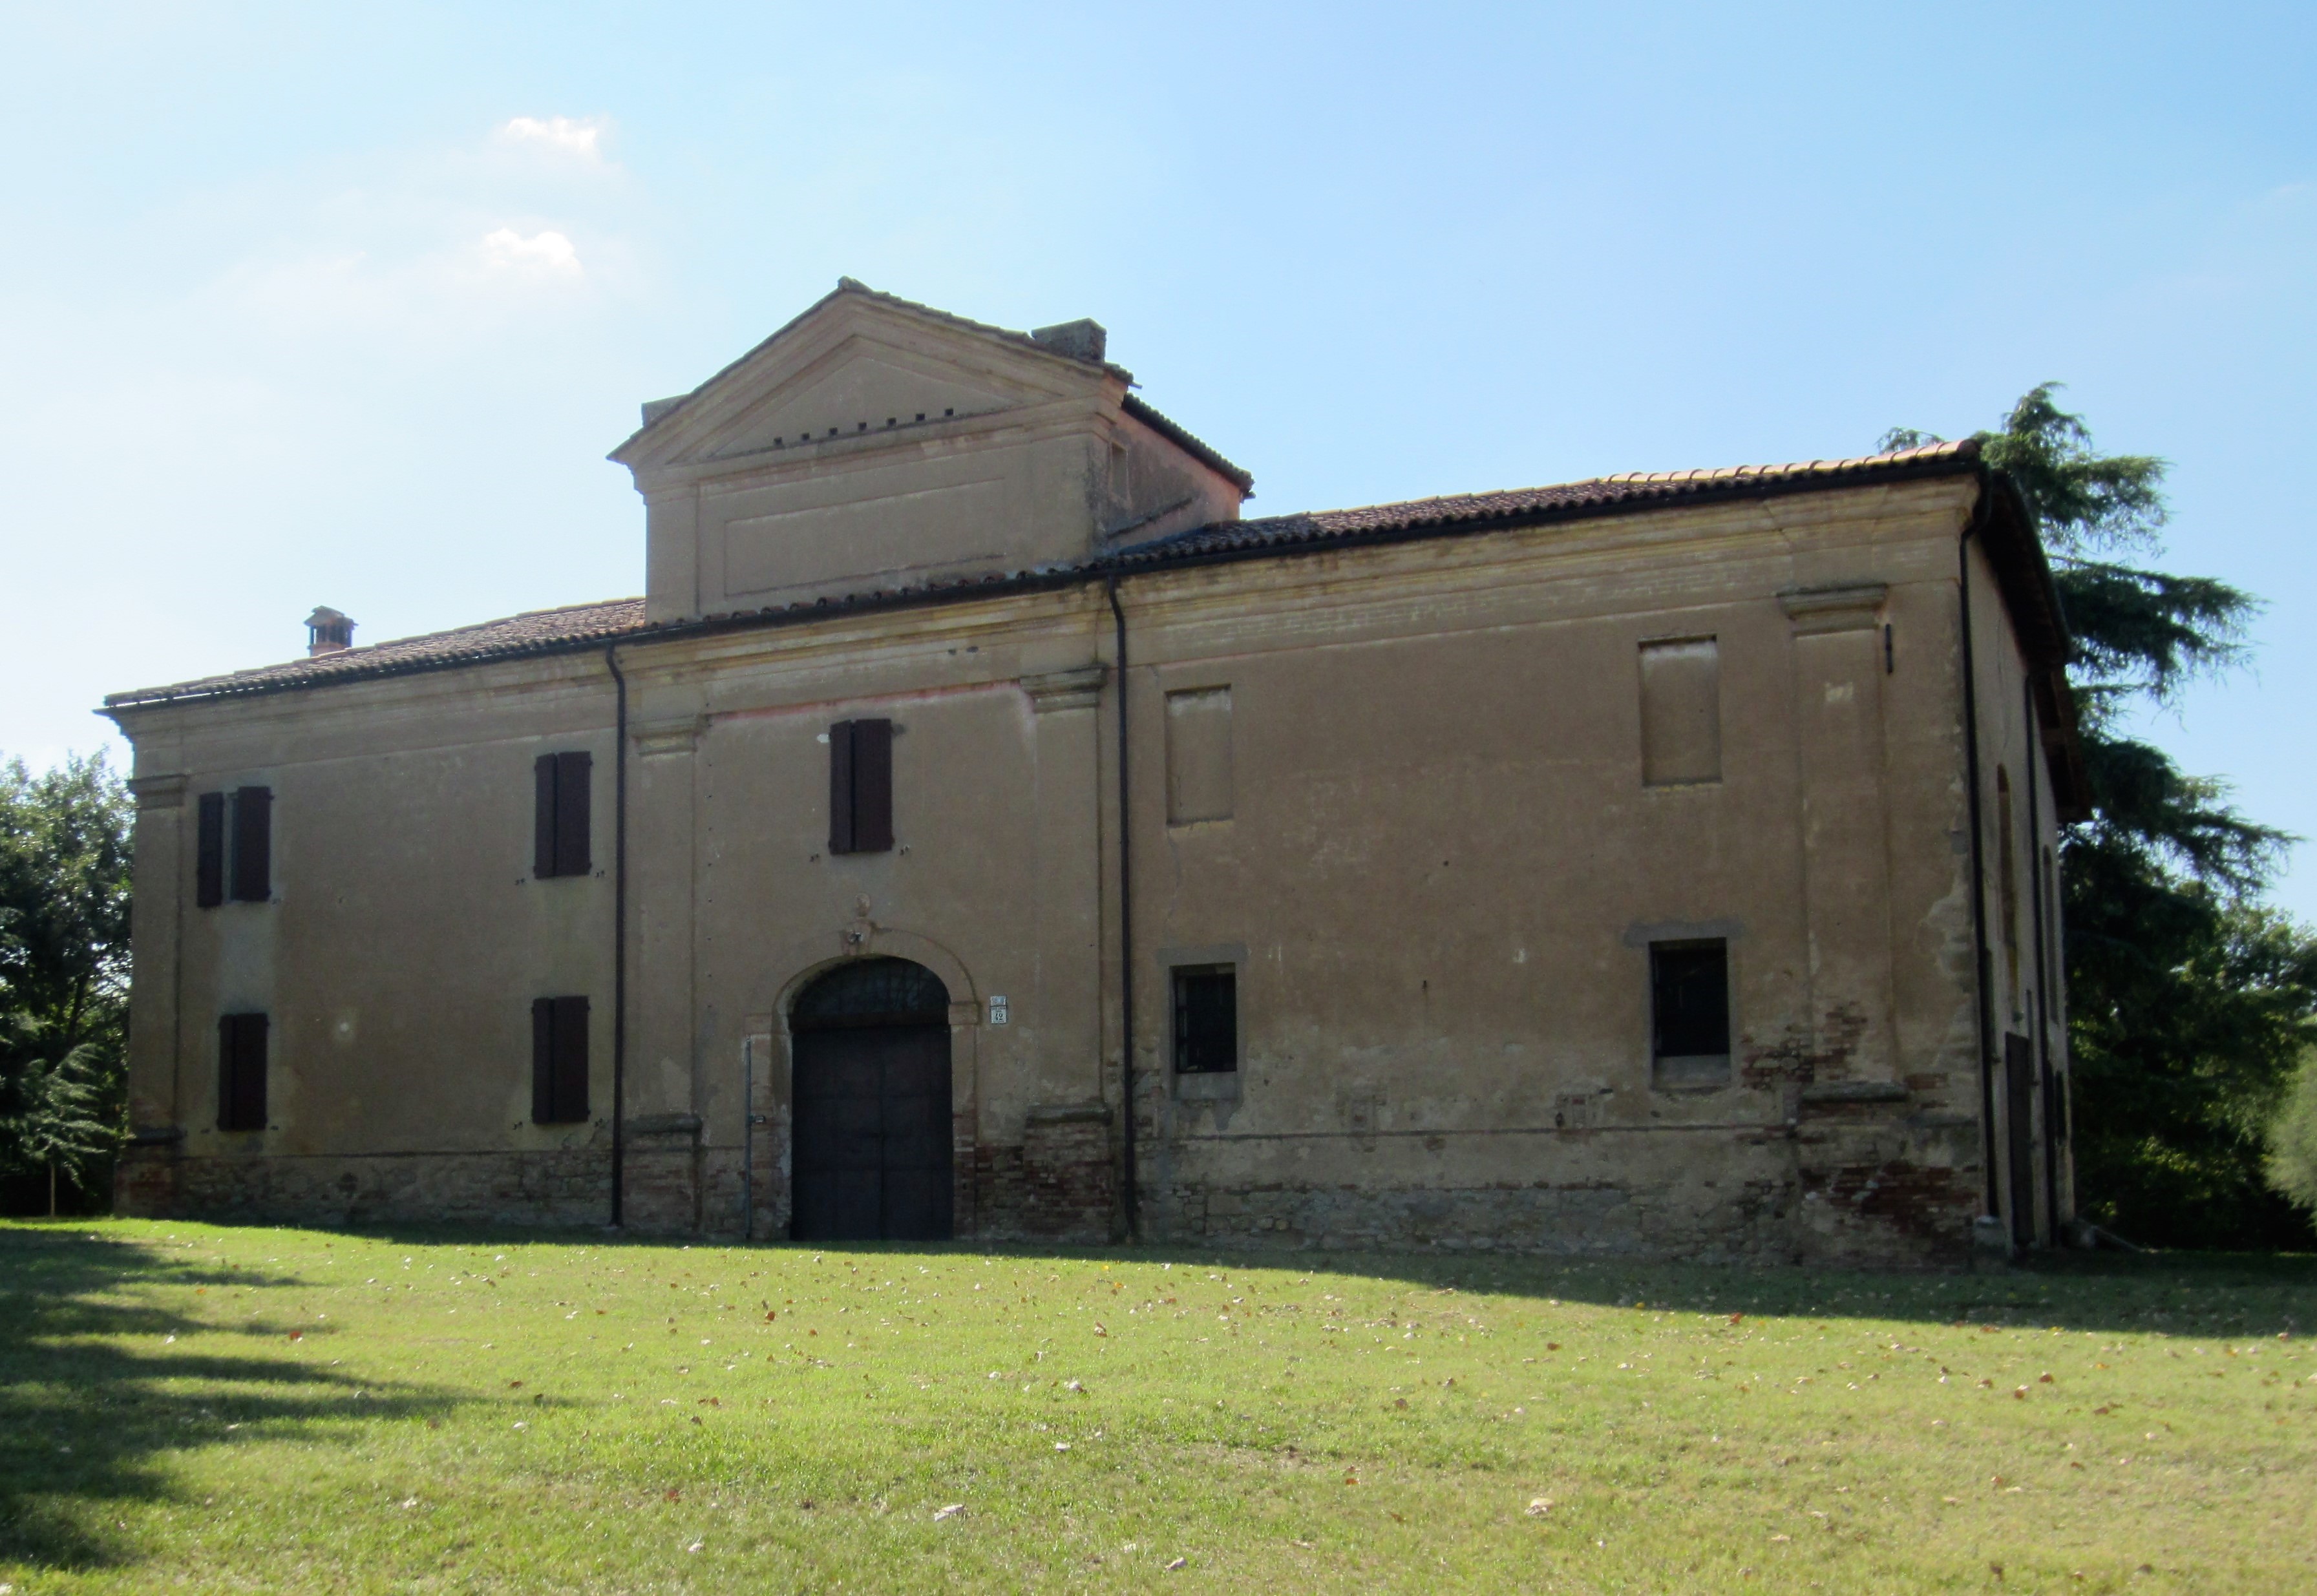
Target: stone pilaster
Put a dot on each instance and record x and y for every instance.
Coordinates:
(665, 1096)
(144, 1180)
(1838, 669)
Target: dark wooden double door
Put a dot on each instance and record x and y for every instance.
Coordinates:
(873, 1155)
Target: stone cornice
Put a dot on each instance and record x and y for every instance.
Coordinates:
(1851, 607)
(1079, 688)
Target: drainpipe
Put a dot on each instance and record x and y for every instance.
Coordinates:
(2042, 1017)
(1981, 967)
(619, 948)
(1126, 916)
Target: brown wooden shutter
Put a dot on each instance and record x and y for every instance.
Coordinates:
(209, 867)
(542, 1059)
(241, 1072)
(253, 845)
(542, 834)
(873, 786)
(558, 1060)
(840, 788)
(570, 1059)
(572, 771)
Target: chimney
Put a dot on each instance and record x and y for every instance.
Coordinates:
(1081, 340)
(327, 632)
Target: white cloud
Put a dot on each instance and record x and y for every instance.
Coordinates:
(547, 253)
(571, 136)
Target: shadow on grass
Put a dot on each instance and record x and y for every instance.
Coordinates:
(92, 1395)
(2163, 1293)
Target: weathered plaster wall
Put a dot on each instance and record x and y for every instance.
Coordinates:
(1441, 869)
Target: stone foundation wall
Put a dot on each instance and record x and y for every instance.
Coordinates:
(1840, 1186)
(561, 1188)
(1760, 1223)
(1060, 1185)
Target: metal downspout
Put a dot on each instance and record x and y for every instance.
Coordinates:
(1981, 968)
(2043, 1015)
(618, 948)
(1126, 920)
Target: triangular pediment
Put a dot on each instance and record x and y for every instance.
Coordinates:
(855, 367)
(874, 445)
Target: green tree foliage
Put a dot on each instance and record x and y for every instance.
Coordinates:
(2292, 1138)
(64, 973)
(2189, 1004)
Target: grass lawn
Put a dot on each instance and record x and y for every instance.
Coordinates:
(207, 1407)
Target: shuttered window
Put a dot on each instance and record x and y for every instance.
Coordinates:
(558, 1060)
(253, 845)
(208, 858)
(1207, 1019)
(241, 1072)
(861, 787)
(560, 845)
(233, 847)
(1689, 1012)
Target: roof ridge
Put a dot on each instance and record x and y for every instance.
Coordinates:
(534, 631)
(623, 615)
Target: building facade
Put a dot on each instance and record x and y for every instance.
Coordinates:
(979, 829)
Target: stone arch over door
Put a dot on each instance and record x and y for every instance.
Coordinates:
(873, 1142)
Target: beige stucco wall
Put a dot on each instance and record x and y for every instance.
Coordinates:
(405, 937)
(1442, 865)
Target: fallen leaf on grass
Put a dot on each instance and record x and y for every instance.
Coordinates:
(1177, 1563)
(951, 1511)
(1540, 1506)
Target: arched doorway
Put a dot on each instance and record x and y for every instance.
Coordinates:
(870, 1086)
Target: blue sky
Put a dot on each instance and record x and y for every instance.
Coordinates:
(345, 305)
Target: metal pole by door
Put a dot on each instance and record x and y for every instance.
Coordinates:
(748, 1137)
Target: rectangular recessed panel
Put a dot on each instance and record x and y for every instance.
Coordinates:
(893, 536)
(1198, 755)
(1681, 711)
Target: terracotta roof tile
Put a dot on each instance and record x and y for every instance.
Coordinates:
(533, 632)
(1633, 488)
(542, 631)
